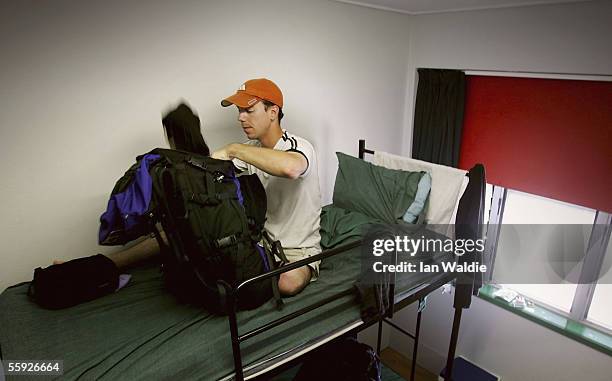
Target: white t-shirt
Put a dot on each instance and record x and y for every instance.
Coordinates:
(294, 205)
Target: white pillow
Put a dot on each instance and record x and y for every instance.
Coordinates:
(464, 185)
(446, 184)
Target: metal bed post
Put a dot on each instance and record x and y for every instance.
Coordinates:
(361, 155)
(379, 337)
(415, 348)
(230, 304)
(464, 288)
(363, 150)
(450, 358)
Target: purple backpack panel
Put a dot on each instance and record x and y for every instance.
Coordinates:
(124, 219)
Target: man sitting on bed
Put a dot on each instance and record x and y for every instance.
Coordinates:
(287, 167)
(286, 164)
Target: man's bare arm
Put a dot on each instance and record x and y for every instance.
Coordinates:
(277, 163)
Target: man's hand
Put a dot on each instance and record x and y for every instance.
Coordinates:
(223, 153)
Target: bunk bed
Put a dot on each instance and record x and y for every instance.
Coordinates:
(141, 332)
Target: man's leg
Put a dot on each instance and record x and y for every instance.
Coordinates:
(138, 253)
(294, 281)
(146, 249)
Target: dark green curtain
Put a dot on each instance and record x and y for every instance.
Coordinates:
(438, 116)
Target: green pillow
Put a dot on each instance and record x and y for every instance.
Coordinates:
(378, 192)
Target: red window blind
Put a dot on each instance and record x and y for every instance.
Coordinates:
(549, 137)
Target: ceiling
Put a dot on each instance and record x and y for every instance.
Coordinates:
(415, 7)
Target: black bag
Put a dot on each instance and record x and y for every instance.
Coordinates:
(73, 282)
(344, 359)
(213, 221)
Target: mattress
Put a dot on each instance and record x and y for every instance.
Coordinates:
(141, 332)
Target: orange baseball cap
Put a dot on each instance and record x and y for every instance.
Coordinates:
(254, 90)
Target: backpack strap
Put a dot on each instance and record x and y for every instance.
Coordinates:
(162, 245)
(165, 249)
(210, 197)
(275, 290)
(278, 250)
(275, 247)
(271, 248)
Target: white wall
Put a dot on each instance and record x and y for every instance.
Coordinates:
(84, 85)
(566, 38)
(504, 343)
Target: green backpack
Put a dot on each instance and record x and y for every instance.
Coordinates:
(213, 221)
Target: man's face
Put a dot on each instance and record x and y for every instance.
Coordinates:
(255, 120)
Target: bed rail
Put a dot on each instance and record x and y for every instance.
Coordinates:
(231, 301)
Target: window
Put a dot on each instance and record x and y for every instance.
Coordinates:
(534, 242)
(530, 229)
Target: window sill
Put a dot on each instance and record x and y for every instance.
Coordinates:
(582, 333)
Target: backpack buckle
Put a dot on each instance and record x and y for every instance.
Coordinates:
(197, 164)
(225, 241)
(218, 177)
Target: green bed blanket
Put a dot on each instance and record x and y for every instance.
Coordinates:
(142, 333)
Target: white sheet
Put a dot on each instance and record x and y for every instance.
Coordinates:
(446, 185)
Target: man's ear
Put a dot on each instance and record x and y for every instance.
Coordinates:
(273, 112)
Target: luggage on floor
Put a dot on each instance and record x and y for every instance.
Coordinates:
(344, 359)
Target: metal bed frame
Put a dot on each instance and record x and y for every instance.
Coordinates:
(469, 222)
